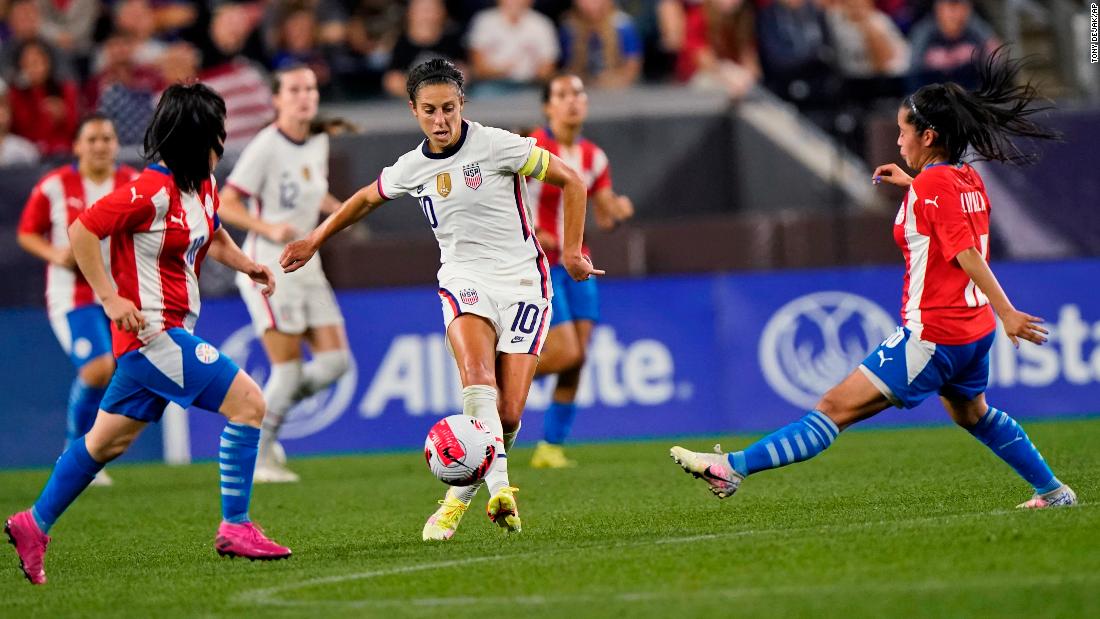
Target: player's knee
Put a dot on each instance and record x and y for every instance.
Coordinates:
(103, 449)
(250, 409)
(476, 372)
(331, 365)
(836, 408)
(97, 373)
(964, 416)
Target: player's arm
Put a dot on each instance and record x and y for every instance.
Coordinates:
(1017, 324)
(89, 257)
(234, 213)
(225, 250)
(891, 174)
(38, 246)
(611, 208)
(330, 204)
(296, 254)
(575, 196)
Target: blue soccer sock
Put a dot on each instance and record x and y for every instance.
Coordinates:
(83, 408)
(1008, 440)
(236, 463)
(795, 442)
(75, 469)
(559, 420)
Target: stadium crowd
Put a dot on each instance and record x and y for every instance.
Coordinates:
(62, 59)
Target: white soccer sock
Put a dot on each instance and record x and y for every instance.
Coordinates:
(324, 369)
(279, 394)
(480, 402)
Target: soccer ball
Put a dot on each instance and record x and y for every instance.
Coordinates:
(459, 450)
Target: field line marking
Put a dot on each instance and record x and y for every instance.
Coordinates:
(269, 595)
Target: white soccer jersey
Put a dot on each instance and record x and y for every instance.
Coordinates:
(287, 181)
(474, 197)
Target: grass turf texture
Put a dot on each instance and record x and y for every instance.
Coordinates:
(911, 522)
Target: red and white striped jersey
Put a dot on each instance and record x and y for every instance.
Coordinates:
(945, 212)
(589, 161)
(159, 238)
(54, 204)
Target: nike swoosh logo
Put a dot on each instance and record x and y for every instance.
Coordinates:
(708, 474)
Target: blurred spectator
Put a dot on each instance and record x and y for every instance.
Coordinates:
(371, 33)
(238, 80)
(946, 43)
(868, 44)
(43, 104)
(714, 42)
(512, 45)
(124, 91)
(136, 19)
(795, 52)
(180, 62)
(23, 23)
(296, 42)
(14, 150)
(426, 36)
(68, 24)
(600, 44)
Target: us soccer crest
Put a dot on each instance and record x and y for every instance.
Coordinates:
(468, 296)
(443, 184)
(471, 172)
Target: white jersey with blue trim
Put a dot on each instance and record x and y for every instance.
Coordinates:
(474, 196)
(287, 181)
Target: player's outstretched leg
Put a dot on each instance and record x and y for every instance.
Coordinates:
(1004, 437)
(795, 442)
(75, 469)
(237, 535)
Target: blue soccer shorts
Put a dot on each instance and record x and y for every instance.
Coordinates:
(175, 367)
(573, 300)
(84, 333)
(907, 369)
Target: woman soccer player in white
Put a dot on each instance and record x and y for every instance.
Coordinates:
(494, 281)
(284, 170)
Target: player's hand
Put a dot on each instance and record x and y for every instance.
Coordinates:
(281, 233)
(296, 254)
(624, 209)
(892, 174)
(63, 257)
(546, 240)
(1019, 325)
(580, 267)
(262, 276)
(124, 314)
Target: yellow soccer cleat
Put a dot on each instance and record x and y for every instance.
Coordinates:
(441, 525)
(550, 456)
(503, 510)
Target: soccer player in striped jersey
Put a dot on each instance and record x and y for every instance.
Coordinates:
(576, 304)
(494, 281)
(75, 314)
(162, 225)
(284, 169)
(948, 300)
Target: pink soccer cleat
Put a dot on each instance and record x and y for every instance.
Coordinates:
(247, 540)
(712, 468)
(30, 544)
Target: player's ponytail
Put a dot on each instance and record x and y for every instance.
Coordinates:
(984, 120)
(188, 123)
(436, 71)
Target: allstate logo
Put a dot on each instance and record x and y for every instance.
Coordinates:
(312, 414)
(814, 341)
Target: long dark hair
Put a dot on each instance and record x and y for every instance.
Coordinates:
(985, 119)
(435, 71)
(188, 123)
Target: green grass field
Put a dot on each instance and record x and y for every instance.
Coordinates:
(912, 522)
